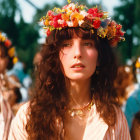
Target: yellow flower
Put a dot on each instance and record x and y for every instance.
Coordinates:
(69, 1)
(111, 32)
(15, 60)
(3, 38)
(137, 65)
(77, 16)
(46, 23)
(11, 52)
(102, 32)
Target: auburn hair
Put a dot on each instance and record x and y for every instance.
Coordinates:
(51, 99)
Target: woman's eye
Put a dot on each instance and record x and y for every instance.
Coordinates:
(88, 44)
(66, 45)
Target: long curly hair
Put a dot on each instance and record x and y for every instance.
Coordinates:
(51, 99)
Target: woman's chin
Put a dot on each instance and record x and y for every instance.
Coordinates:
(79, 78)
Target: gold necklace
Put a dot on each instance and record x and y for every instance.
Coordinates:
(80, 111)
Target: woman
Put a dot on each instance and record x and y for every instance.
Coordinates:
(7, 60)
(75, 98)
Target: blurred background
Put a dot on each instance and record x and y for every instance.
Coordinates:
(19, 20)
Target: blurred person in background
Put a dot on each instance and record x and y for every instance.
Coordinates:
(7, 60)
(16, 95)
(135, 129)
(19, 71)
(124, 84)
(133, 102)
(37, 60)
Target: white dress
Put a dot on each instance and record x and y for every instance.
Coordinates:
(96, 128)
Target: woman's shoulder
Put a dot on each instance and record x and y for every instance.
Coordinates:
(18, 126)
(24, 108)
(120, 117)
(23, 112)
(121, 125)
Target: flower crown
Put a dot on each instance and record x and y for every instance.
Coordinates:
(4, 41)
(74, 15)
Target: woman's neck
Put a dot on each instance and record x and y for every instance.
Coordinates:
(79, 93)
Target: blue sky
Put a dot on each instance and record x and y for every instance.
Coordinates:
(28, 11)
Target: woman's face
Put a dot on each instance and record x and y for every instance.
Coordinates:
(10, 96)
(79, 58)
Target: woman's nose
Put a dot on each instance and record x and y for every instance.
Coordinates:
(77, 51)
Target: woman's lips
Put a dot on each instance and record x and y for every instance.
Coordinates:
(78, 67)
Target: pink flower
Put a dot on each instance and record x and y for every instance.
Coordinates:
(50, 13)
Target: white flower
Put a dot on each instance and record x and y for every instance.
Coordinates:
(70, 23)
(80, 22)
(71, 5)
(60, 21)
(84, 13)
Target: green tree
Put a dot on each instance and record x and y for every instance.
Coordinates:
(126, 15)
(23, 35)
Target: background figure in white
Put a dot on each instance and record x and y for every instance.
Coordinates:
(23, 77)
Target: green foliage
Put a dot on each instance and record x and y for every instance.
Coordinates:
(127, 15)
(23, 35)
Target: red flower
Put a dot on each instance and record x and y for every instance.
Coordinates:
(119, 27)
(55, 24)
(120, 33)
(95, 12)
(57, 17)
(96, 24)
(48, 32)
(64, 24)
(55, 20)
(7, 43)
(77, 10)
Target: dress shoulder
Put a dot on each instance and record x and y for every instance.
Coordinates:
(121, 127)
(18, 130)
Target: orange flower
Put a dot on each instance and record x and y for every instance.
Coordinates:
(77, 16)
(46, 22)
(11, 52)
(15, 60)
(75, 23)
(65, 17)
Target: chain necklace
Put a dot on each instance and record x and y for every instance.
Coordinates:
(80, 111)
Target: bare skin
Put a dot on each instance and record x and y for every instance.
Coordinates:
(79, 97)
(79, 60)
